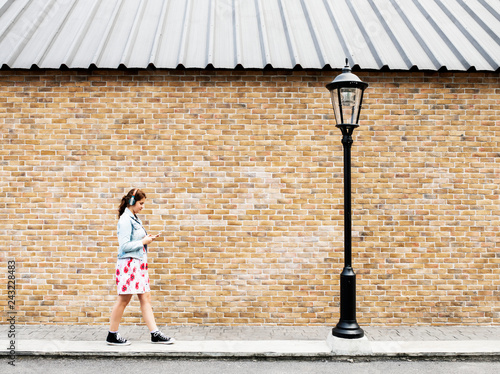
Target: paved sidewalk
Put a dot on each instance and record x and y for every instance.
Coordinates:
(259, 342)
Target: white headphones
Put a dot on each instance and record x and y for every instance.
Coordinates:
(132, 199)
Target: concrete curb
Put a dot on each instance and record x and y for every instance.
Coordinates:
(185, 349)
(331, 348)
(414, 349)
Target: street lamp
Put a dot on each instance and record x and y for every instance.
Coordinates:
(347, 96)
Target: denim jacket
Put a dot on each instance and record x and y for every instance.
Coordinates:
(130, 235)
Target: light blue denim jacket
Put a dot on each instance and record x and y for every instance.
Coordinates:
(130, 235)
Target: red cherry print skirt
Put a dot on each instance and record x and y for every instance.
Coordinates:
(132, 275)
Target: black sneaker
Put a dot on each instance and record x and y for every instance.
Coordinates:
(159, 338)
(115, 339)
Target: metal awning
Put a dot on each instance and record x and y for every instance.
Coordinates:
(252, 34)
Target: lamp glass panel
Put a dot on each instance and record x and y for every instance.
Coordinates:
(336, 105)
(351, 100)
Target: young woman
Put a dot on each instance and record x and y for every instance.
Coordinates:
(132, 268)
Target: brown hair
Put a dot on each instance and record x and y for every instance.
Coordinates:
(139, 195)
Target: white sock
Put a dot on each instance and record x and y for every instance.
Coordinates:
(113, 332)
(152, 332)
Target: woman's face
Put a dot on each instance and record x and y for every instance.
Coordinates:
(138, 206)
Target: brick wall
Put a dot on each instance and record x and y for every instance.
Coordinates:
(243, 173)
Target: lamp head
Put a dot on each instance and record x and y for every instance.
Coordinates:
(346, 91)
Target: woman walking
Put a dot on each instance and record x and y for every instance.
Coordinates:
(132, 269)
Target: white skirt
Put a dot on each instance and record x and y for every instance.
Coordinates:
(132, 275)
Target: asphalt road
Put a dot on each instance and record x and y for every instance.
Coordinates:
(152, 366)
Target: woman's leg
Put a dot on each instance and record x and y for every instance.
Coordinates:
(118, 309)
(147, 310)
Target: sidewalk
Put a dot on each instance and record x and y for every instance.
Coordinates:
(258, 342)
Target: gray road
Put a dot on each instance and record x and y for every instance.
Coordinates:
(101, 366)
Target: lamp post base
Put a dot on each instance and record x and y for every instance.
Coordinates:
(348, 327)
(348, 330)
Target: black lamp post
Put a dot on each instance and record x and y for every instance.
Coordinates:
(347, 95)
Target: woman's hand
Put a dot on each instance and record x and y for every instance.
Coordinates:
(148, 239)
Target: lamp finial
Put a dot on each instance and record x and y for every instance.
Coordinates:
(347, 68)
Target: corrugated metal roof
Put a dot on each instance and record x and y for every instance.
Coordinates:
(374, 34)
